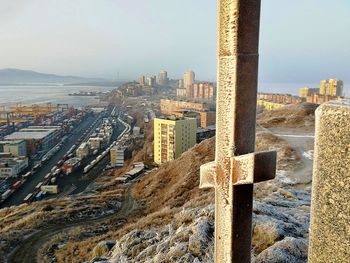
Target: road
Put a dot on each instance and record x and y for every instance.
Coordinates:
(302, 142)
(27, 251)
(29, 185)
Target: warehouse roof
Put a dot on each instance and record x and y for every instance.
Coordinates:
(14, 142)
(25, 135)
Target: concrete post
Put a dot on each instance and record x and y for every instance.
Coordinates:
(330, 205)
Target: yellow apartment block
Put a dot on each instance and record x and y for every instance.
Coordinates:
(269, 105)
(169, 106)
(172, 137)
(306, 91)
(332, 87)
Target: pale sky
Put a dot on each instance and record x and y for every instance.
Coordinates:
(302, 41)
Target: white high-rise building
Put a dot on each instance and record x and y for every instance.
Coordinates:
(151, 81)
(142, 80)
(163, 78)
(189, 78)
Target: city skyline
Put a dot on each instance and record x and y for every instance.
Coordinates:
(131, 40)
(174, 131)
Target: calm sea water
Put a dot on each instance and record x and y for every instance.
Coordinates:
(10, 95)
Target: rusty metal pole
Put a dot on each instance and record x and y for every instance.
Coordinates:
(236, 166)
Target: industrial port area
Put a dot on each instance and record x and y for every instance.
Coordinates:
(52, 151)
(174, 132)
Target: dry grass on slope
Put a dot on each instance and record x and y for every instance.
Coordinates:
(19, 221)
(287, 157)
(293, 116)
(163, 194)
(30, 216)
(176, 182)
(175, 186)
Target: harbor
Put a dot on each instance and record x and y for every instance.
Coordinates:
(41, 143)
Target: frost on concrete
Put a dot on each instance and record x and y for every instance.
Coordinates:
(330, 213)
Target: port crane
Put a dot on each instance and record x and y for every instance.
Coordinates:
(22, 113)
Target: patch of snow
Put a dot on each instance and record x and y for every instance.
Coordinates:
(282, 176)
(309, 154)
(59, 246)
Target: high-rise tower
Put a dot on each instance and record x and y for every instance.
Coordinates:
(332, 87)
(189, 78)
(163, 78)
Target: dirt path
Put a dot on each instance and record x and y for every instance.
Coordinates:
(303, 143)
(28, 250)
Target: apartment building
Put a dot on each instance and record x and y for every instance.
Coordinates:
(168, 107)
(331, 87)
(172, 137)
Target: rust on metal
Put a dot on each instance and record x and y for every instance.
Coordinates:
(221, 169)
(236, 167)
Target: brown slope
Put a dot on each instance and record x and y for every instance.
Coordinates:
(173, 188)
(176, 182)
(294, 116)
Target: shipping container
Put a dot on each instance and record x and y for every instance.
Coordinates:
(47, 177)
(70, 165)
(28, 198)
(27, 175)
(121, 179)
(37, 187)
(5, 195)
(57, 172)
(36, 167)
(39, 196)
(16, 185)
(51, 189)
(87, 168)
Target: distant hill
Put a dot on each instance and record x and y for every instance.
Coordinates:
(18, 76)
